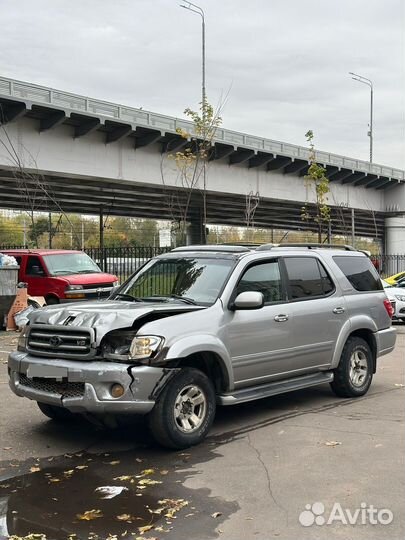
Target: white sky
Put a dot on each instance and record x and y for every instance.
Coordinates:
(284, 63)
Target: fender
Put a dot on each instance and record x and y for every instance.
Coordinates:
(201, 343)
(357, 322)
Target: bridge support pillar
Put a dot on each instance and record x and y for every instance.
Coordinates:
(395, 235)
(196, 230)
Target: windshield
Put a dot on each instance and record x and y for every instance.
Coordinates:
(189, 280)
(70, 263)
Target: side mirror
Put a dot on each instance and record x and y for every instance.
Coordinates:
(249, 300)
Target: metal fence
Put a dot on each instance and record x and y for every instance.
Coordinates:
(123, 261)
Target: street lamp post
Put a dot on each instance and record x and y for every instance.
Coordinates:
(369, 83)
(197, 9)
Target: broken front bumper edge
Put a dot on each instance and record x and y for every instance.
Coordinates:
(84, 387)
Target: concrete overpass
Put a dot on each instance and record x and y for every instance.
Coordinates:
(95, 156)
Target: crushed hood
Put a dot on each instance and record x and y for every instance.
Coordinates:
(104, 316)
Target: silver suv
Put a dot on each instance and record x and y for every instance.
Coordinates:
(208, 325)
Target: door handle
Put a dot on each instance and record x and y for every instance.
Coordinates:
(339, 310)
(281, 318)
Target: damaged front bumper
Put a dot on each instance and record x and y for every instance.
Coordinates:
(85, 387)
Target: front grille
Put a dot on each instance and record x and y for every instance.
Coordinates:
(51, 386)
(59, 341)
(98, 286)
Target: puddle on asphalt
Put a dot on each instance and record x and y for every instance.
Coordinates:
(57, 499)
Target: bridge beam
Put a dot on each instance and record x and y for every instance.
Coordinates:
(87, 127)
(260, 159)
(331, 169)
(52, 120)
(295, 166)
(145, 139)
(221, 151)
(380, 182)
(175, 144)
(278, 163)
(118, 133)
(240, 156)
(367, 179)
(355, 177)
(12, 112)
(340, 175)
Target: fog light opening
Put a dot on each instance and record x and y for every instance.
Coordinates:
(117, 390)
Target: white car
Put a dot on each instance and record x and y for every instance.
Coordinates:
(396, 294)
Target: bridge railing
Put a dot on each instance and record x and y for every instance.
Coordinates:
(33, 93)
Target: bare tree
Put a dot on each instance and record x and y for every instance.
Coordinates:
(317, 181)
(191, 166)
(36, 193)
(252, 202)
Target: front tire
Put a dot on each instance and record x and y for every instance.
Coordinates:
(59, 414)
(354, 373)
(184, 411)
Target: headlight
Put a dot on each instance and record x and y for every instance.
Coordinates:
(22, 340)
(144, 346)
(400, 297)
(74, 288)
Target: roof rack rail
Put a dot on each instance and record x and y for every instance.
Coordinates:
(215, 247)
(304, 245)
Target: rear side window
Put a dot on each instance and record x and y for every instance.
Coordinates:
(360, 272)
(307, 278)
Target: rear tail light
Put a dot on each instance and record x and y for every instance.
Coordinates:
(389, 308)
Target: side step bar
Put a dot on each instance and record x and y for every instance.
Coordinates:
(274, 388)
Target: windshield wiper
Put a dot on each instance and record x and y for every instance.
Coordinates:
(185, 299)
(127, 297)
(87, 272)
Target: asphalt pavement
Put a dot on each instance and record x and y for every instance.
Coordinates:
(302, 465)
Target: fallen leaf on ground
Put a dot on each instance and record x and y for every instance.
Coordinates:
(80, 467)
(332, 443)
(7, 447)
(148, 482)
(139, 460)
(148, 472)
(164, 472)
(378, 445)
(89, 515)
(124, 477)
(109, 492)
(145, 528)
(54, 480)
(216, 514)
(116, 462)
(124, 517)
(34, 469)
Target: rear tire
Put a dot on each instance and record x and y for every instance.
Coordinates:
(354, 373)
(53, 412)
(184, 411)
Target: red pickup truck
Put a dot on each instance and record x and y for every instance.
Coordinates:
(62, 275)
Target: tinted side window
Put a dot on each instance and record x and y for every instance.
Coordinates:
(360, 272)
(305, 278)
(264, 278)
(34, 267)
